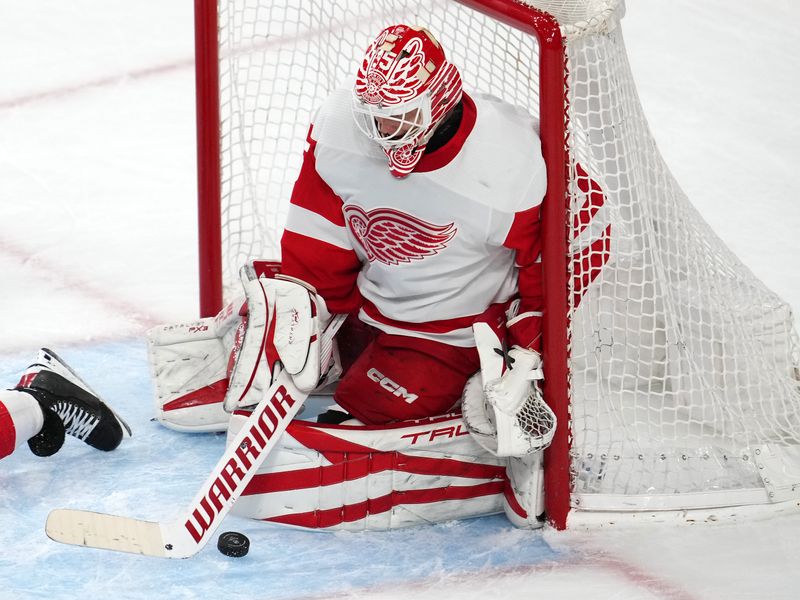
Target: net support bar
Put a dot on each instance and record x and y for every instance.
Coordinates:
(553, 117)
(208, 157)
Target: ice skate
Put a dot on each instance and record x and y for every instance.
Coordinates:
(60, 391)
(50, 437)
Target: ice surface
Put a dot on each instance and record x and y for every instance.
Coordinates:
(98, 242)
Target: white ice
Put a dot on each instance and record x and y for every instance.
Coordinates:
(98, 242)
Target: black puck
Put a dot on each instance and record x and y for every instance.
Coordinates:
(233, 543)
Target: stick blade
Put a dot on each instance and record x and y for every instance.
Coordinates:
(109, 532)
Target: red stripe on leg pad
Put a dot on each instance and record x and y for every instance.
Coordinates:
(512, 501)
(210, 394)
(353, 512)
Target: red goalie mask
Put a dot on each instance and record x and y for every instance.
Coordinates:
(404, 88)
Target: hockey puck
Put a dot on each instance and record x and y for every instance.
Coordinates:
(233, 543)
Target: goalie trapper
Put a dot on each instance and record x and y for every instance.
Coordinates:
(503, 405)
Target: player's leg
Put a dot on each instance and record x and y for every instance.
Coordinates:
(22, 419)
(398, 378)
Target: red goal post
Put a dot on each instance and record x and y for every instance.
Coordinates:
(671, 368)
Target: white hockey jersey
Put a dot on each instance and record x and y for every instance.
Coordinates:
(426, 254)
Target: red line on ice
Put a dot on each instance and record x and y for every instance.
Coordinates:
(654, 584)
(178, 65)
(68, 90)
(72, 281)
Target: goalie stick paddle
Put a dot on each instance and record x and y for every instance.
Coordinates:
(188, 534)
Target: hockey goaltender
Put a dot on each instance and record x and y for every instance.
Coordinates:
(416, 215)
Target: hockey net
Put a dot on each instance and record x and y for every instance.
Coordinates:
(671, 367)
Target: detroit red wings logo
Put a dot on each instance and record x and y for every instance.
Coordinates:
(393, 237)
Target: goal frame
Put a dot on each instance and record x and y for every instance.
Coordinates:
(555, 231)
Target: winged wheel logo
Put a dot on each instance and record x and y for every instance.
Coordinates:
(392, 237)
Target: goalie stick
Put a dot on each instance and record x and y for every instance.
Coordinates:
(188, 534)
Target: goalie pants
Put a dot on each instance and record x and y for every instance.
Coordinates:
(400, 378)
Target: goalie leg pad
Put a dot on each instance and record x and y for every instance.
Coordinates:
(188, 364)
(375, 478)
(523, 500)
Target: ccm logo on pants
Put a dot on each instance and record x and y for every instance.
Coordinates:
(391, 386)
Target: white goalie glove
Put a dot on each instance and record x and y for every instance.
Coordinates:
(204, 370)
(502, 405)
(280, 331)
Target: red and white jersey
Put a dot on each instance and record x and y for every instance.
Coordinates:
(423, 255)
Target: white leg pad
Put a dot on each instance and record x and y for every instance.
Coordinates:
(188, 363)
(524, 498)
(355, 477)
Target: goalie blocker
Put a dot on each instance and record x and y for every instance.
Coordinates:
(203, 370)
(351, 476)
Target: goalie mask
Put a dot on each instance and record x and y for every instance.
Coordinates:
(404, 88)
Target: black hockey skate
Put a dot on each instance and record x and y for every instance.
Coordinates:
(50, 437)
(79, 411)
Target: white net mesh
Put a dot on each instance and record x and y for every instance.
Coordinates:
(682, 362)
(682, 368)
